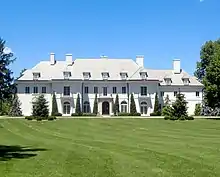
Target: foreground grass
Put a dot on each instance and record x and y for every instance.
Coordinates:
(109, 147)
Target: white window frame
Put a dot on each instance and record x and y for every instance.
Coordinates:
(86, 75)
(186, 81)
(123, 89)
(43, 90)
(36, 75)
(143, 89)
(35, 90)
(86, 107)
(27, 90)
(143, 108)
(124, 107)
(105, 75)
(168, 81)
(66, 108)
(64, 91)
(66, 74)
(143, 75)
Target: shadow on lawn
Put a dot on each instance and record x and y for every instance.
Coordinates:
(17, 152)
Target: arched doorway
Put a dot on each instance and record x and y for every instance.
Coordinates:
(124, 107)
(143, 108)
(105, 108)
(66, 108)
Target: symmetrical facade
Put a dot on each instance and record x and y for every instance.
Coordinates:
(105, 78)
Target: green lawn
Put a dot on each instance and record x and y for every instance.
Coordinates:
(109, 147)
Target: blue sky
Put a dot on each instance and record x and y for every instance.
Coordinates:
(161, 30)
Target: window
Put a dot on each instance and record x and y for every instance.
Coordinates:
(114, 89)
(86, 89)
(96, 90)
(197, 93)
(168, 81)
(124, 106)
(143, 108)
(66, 108)
(186, 81)
(143, 75)
(35, 90)
(124, 75)
(123, 89)
(105, 91)
(66, 91)
(36, 76)
(144, 91)
(27, 89)
(86, 107)
(44, 90)
(161, 94)
(86, 75)
(105, 75)
(66, 74)
(175, 93)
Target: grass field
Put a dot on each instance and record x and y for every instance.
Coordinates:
(109, 147)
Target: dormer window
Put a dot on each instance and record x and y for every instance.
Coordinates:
(143, 75)
(185, 81)
(86, 75)
(66, 74)
(168, 81)
(36, 75)
(124, 75)
(105, 75)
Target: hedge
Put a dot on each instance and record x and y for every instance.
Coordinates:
(155, 114)
(129, 114)
(83, 114)
(40, 118)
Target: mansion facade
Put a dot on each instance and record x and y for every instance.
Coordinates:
(105, 78)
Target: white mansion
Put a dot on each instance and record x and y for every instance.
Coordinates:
(106, 78)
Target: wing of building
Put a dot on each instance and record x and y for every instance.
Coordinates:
(105, 77)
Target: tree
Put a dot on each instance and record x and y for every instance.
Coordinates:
(133, 109)
(211, 82)
(116, 105)
(15, 107)
(54, 111)
(95, 106)
(208, 72)
(6, 106)
(206, 55)
(156, 106)
(78, 105)
(179, 108)
(197, 110)
(6, 80)
(167, 109)
(40, 107)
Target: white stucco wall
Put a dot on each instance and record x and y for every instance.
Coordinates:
(134, 87)
(188, 91)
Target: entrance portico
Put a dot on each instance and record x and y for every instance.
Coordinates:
(105, 106)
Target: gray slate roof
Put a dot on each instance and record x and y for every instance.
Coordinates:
(97, 66)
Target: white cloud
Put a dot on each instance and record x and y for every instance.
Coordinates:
(7, 50)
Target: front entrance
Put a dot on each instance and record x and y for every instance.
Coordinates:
(66, 108)
(144, 108)
(105, 108)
